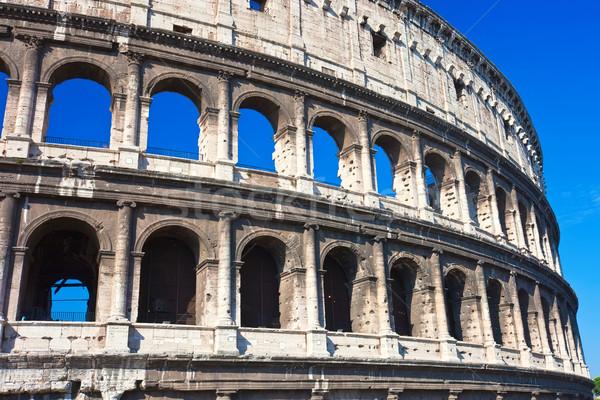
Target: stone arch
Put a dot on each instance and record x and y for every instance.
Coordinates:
(344, 139)
(495, 292)
(399, 157)
(30, 233)
(461, 304)
(204, 249)
(184, 84)
(61, 247)
(439, 183)
(291, 258)
(71, 68)
(266, 104)
(8, 66)
(364, 268)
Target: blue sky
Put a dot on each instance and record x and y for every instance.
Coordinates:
(548, 50)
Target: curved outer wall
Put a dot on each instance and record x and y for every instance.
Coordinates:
(490, 313)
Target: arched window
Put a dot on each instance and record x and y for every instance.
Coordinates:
(346, 162)
(384, 173)
(258, 5)
(62, 273)
(548, 321)
(3, 97)
(340, 270)
(404, 303)
(454, 288)
(80, 110)
(502, 209)
(494, 295)
(436, 174)
(524, 214)
(259, 289)
(473, 188)
(69, 301)
(173, 126)
(168, 279)
(527, 321)
(326, 163)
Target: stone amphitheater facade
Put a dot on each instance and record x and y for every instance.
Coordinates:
(450, 290)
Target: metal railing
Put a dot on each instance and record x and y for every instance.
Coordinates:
(40, 314)
(173, 153)
(166, 318)
(77, 142)
(255, 167)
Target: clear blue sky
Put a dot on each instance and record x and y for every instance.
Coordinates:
(548, 50)
(550, 53)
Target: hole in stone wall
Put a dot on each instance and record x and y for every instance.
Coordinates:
(379, 41)
(460, 90)
(258, 5)
(80, 114)
(173, 126)
(182, 29)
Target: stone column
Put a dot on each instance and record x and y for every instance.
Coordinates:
(295, 41)
(494, 205)
(304, 181)
(447, 343)
(365, 152)
(521, 242)
(543, 332)
(312, 293)
(560, 335)
(536, 234)
(518, 320)
(224, 22)
(129, 150)
(383, 303)
(7, 222)
(419, 175)
(16, 294)
(226, 331)
(462, 190)
(486, 322)
(19, 140)
(224, 162)
(134, 282)
(121, 269)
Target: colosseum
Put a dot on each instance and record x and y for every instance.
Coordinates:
(209, 279)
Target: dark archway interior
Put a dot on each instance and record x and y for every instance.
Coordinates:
(501, 200)
(259, 289)
(60, 256)
(340, 270)
(455, 287)
(404, 277)
(546, 312)
(167, 282)
(472, 184)
(494, 294)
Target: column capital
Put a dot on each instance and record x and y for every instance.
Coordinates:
(311, 225)
(134, 58)
(363, 116)
(480, 263)
(14, 195)
(126, 203)
(513, 273)
(437, 250)
(32, 42)
(224, 76)
(227, 215)
(299, 95)
(416, 134)
(379, 238)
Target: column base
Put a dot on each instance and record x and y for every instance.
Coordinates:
(371, 199)
(492, 352)
(129, 157)
(390, 347)
(117, 337)
(305, 184)
(226, 340)
(17, 146)
(316, 343)
(448, 350)
(224, 170)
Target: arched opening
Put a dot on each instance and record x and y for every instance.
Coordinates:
(259, 122)
(524, 306)
(404, 311)
(79, 106)
(542, 237)
(69, 301)
(173, 120)
(337, 166)
(3, 94)
(384, 172)
(340, 269)
(546, 316)
(62, 274)
(473, 189)
(502, 209)
(168, 278)
(259, 289)
(436, 172)
(454, 287)
(524, 214)
(495, 295)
